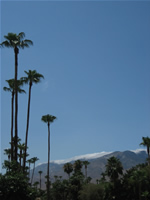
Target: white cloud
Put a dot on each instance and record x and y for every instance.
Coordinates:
(88, 157)
(138, 150)
(84, 157)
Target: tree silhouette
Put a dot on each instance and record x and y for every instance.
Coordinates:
(68, 168)
(146, 143)
(11, 88)
(85, 163)
(40, 172)
(48, 119)
(32, 77)
(34, 159)
(16, 41)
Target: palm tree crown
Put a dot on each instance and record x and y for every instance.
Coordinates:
(146, 143)
(114, 168)
(68, 168)
(13, 40)
(32, 77)
(48, 118)
(11, 83)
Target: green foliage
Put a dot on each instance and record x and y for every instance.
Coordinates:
(14, 186)
(113, 169)
(92, 192)
(136, 183)
(13, 40)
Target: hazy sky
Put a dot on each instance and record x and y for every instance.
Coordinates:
(95, 57)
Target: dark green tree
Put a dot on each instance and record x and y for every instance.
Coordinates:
(86, 163)
(68, 168)
(146, 143)
(114, 168)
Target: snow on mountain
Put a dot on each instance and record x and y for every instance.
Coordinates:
(88, 157)
(82, 157)
(138, 150)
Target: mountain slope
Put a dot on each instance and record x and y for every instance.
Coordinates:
(96, 166)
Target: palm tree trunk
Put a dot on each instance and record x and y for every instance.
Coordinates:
(12, 122)
(16, 50)
(29, 171)
(86, 172)
(40, 181)
(33, 173)
(27, 127)
(48, 185)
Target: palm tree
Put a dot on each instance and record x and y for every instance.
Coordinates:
(32, 77)
(146, 143)
(78, 166)
(16, 41)
(114, 168)
(85, 163)
(40, 172)
(21, 147)
(68, 168)
(11, 88)
(34, 159)
(48, 119)
(29, 161)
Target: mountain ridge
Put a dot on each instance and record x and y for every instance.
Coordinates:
(128, 158)
(88, 156)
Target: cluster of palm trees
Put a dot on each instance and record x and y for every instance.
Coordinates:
(69, 167)
(17, 41)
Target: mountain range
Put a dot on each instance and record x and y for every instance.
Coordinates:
(96, 166)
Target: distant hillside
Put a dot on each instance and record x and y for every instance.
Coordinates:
(96, 166)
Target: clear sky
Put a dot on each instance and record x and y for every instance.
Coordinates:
(95, 57)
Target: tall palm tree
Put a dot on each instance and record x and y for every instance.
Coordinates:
(40, 172)
(48, 119)
(16, 41)
(68, 168)
(86, 163)
(11, 88)
(34, 159)
(146, 143)
(32, 77)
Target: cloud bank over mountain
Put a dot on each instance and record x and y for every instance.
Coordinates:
(88, 157)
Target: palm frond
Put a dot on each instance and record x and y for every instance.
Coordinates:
(11, 36)
(7, 89)
(5, 44)
(21, 35)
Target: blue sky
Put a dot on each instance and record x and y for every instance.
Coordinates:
(95, 57)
